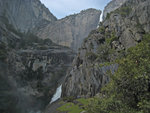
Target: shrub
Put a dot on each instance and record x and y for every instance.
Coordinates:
(108, 15)
(124, 11)
(111, 38)
(102, 29)
(91, 56)
(68, 99)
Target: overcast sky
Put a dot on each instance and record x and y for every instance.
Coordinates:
(62, 8)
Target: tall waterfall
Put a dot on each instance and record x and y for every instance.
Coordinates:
(100, 18)
(57, 95)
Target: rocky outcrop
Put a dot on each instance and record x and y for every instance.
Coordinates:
(122, 29)
(71, 30)
(111, 6)
(25, 15)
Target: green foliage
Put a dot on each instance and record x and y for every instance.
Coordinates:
(108, 15)
(68, 99)
(70, 108)
(84, 101)
(124, 11)
(91, 56)
(111, 38)
(104, 51)
(101, 29)
(106, 64)
(75, 105)
(129, 89)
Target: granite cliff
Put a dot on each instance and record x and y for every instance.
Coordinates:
(71, 30)
(121, 29)
(25, 15)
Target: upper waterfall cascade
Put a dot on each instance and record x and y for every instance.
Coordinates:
(100, 18)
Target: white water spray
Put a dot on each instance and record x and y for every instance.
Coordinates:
(57, 95)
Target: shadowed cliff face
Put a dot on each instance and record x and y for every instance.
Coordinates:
(122, 29)
(24, 15)
(71, 30)
(30, 70)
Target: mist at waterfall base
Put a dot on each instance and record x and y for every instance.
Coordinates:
(57, 95)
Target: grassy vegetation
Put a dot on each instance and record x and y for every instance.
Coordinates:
(71, 108)
(76, 106)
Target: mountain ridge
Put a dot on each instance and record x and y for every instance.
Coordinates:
(64, 31)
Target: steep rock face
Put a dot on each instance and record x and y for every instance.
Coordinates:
(31, 13)
(30, 73)
(124, 28)
(87, 77)
(71, 30)
(113, 5)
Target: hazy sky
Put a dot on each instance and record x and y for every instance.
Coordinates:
(62, 8)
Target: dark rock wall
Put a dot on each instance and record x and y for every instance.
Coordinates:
(29, 75)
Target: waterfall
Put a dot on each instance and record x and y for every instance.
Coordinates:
(100, 18)
(57, 95)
